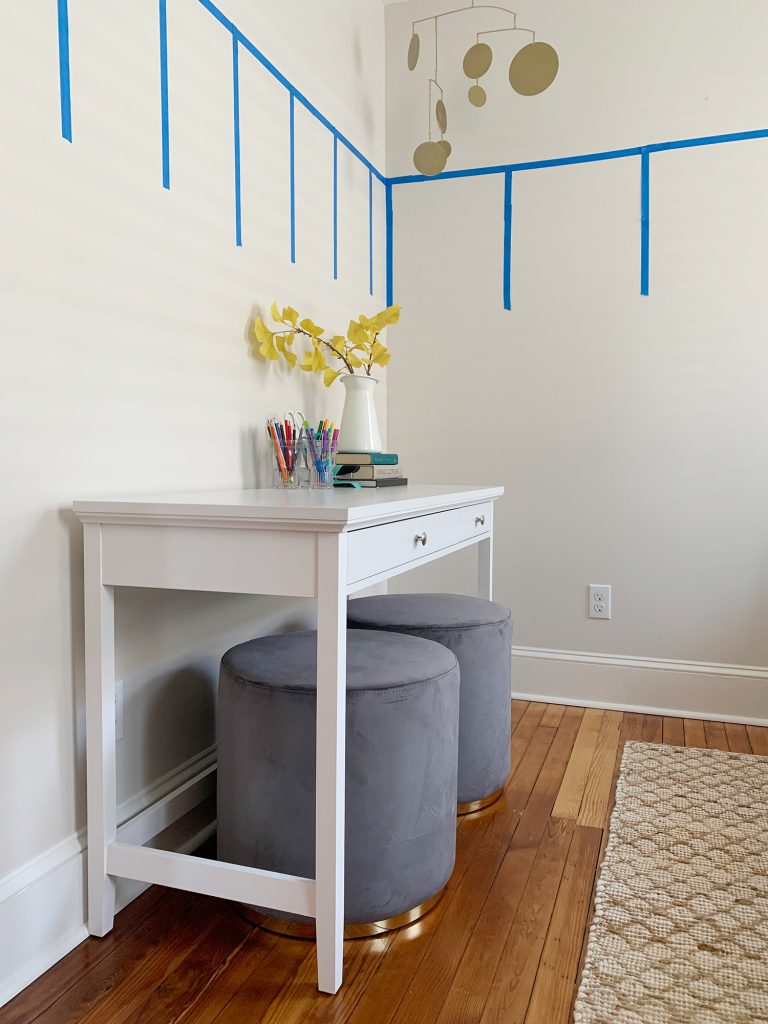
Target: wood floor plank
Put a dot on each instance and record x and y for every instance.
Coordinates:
(758, 739)
(714, 733)
(513, 982)
(162, 936)
(595, 803)
(212, 1000)
(738, 740)
(267, 979)
(631, 726)
(470, 981)
(556, 978)
(674, 731)
(553, 715)
(571, 792)
(33, 1001)
(126, 1004)
(300, 1003)
(652, 730)
(523, 734)
(694, 733)
(519, 707)
(178, 990)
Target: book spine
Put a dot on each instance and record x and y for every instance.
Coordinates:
(392, 481)
(370, 472)
(366, 459)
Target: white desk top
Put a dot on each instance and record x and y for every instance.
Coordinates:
(337, 507)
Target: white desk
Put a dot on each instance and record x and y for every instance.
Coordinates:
(294, 543)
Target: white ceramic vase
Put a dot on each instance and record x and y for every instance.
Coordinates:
(359, 430)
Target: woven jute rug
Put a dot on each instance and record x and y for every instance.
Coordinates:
(680, 933)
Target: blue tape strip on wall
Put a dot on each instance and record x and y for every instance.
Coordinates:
(239, 39)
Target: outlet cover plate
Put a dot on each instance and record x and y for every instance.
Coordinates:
(599, 600)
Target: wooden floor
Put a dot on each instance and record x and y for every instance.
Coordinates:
(504, 944)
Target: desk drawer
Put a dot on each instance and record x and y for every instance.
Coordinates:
(378, 548)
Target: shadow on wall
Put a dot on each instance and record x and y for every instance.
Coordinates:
(172, 708)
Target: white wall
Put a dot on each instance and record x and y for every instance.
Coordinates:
(123, 310)
(630, 432)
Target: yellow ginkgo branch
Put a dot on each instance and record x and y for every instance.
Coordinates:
(360, 349)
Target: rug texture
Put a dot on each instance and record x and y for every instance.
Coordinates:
(680, 933)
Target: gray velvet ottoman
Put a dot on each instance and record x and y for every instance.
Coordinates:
(402, 746)
(479, 633)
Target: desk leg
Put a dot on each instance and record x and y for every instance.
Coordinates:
(331, 737)
(485, 568)
(100, 733)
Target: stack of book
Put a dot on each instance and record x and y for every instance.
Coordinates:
(368, 469)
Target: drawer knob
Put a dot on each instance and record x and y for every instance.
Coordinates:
(479, 520)
(420, 538)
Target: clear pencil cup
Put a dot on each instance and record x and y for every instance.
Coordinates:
(320, 468)
(288, 463)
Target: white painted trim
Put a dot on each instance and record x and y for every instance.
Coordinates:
(627, 661)
(639, 709)
(657, 686)
(166, 787)
(42, 902)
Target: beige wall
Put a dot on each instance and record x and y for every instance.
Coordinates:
(630, 432)
(123, 310)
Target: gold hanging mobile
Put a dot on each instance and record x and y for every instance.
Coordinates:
(532, 70)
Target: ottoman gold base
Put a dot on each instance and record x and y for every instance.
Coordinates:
(365, 930)
(478, 805)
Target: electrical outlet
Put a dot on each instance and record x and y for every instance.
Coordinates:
(599, 600)
(119, 709)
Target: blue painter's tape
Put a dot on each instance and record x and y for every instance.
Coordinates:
(270, 67)
(508, 240)
(390, 242)
(708, 140)
(236, 139)
(645, 222)
(530, 165)
(335, 208)
(292, 172)
(164, 129)
(64, 78)
(585, 158)
(370, 231)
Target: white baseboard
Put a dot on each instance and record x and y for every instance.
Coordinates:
(656, 686)
(43, 903)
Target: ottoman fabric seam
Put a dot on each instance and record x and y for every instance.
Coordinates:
(358, 689)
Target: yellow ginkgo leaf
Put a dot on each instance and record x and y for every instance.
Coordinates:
(380, 354)
(282, 341)
(330, 375)
(265, 338)
(356, 334)
(338, 344)
(384, 319)
(311, 328)
(290, 316)
(354, 360)
(314, 361)
(390, 315)
(275, 313)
